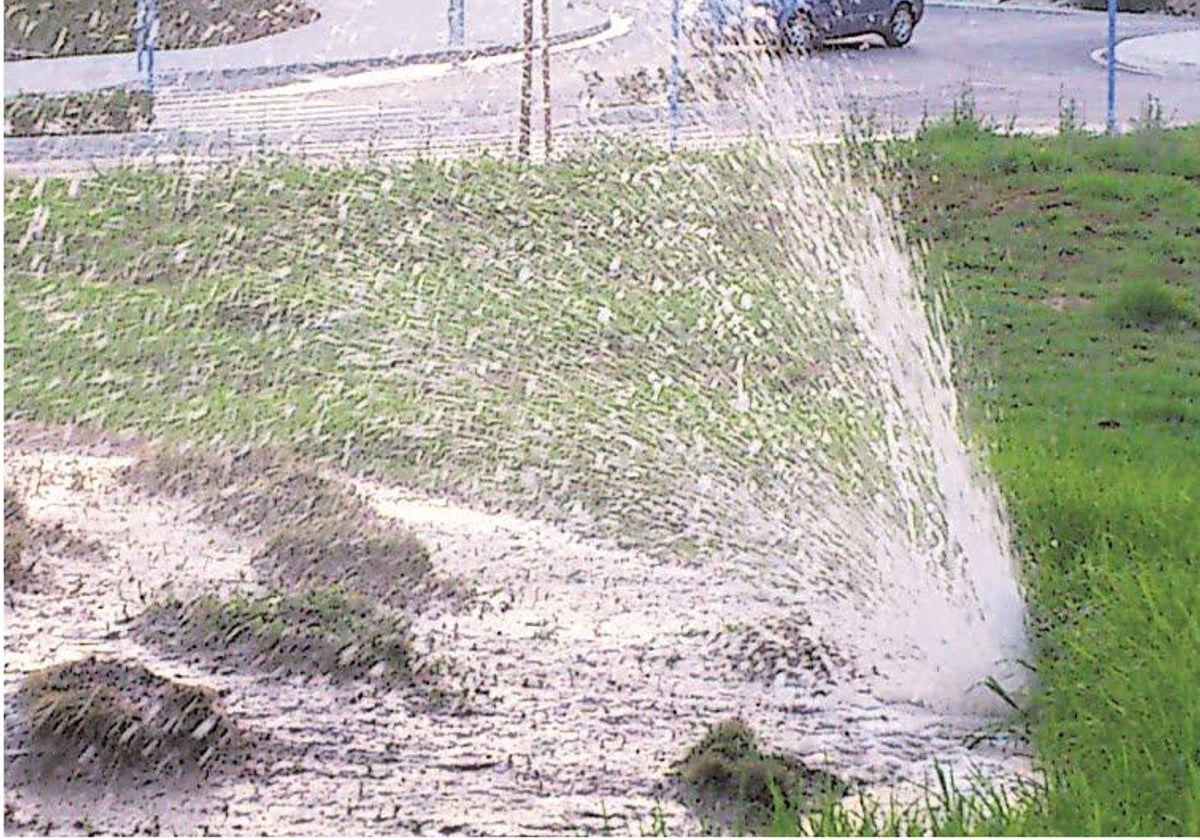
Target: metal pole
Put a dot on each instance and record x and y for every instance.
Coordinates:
(151, 37)
(458, 22)
(546, 75)
(526, 84)
(1112, 66)
(673, 93)
(139, 32)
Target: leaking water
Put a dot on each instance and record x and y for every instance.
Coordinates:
(719, 471)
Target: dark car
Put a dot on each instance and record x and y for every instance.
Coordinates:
(803, 25)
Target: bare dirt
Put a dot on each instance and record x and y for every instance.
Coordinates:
(577, 675)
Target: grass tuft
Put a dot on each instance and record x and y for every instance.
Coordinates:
(1147, 304)
(102, 715)
(317, 532)
(320, 631)
(731, 777)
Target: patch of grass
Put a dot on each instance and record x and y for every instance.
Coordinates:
(104, 112)
(17, 539)
(1096, 441)
(470, 329)
(318, 631)
(317, 531)
(479, 331)
(101, 715)
(1147, 304)
(34, 29)
(730, 778)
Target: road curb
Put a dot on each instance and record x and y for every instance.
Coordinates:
(1166, 71)
(289, 72)
(251, 77)
(1006, 7)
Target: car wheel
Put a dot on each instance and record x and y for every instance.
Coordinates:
(900, 27)
(800, 34)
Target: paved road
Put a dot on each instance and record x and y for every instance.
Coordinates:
(1018, 66)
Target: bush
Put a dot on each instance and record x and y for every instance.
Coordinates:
(1147, 304)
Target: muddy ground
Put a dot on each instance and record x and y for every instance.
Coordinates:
(572, 675)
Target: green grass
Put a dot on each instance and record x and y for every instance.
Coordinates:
(333, 312)
(103, 112)
(39, 29)
(1095, 429)
(319, 631)
(465, 328)
(1148, 304)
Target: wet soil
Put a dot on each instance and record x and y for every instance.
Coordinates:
(576, 675)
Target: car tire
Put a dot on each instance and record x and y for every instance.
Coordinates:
(900, 28)
(800, 35)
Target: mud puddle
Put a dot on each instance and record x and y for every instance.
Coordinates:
(579, 674)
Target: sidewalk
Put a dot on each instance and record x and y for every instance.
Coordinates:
(1172, 54)
(348, 33)
(1175, 54)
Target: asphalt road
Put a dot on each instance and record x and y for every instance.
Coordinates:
(1018, 67)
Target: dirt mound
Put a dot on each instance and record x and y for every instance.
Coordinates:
(319, 632)
(731, 779)
(317, 531)
(96, 716)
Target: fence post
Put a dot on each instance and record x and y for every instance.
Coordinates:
(673, 93)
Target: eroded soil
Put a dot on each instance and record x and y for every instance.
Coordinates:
(574, 676)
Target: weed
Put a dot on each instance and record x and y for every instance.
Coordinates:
(1147, 304)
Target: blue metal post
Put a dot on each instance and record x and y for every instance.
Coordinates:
(1112, 66)
(673, 93)
(139, 32)
(458, 22)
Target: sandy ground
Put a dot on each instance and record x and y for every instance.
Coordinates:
(583, 672)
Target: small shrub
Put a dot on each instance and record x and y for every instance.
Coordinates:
(1147, 304)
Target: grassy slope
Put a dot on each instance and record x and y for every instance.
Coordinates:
(37, 29)
(100, 328)
(1110, 516)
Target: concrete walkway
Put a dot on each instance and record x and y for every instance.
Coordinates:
(348, 33)
(1169, 54)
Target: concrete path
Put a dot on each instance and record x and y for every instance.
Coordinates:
(1174, 54)
(348, 33)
